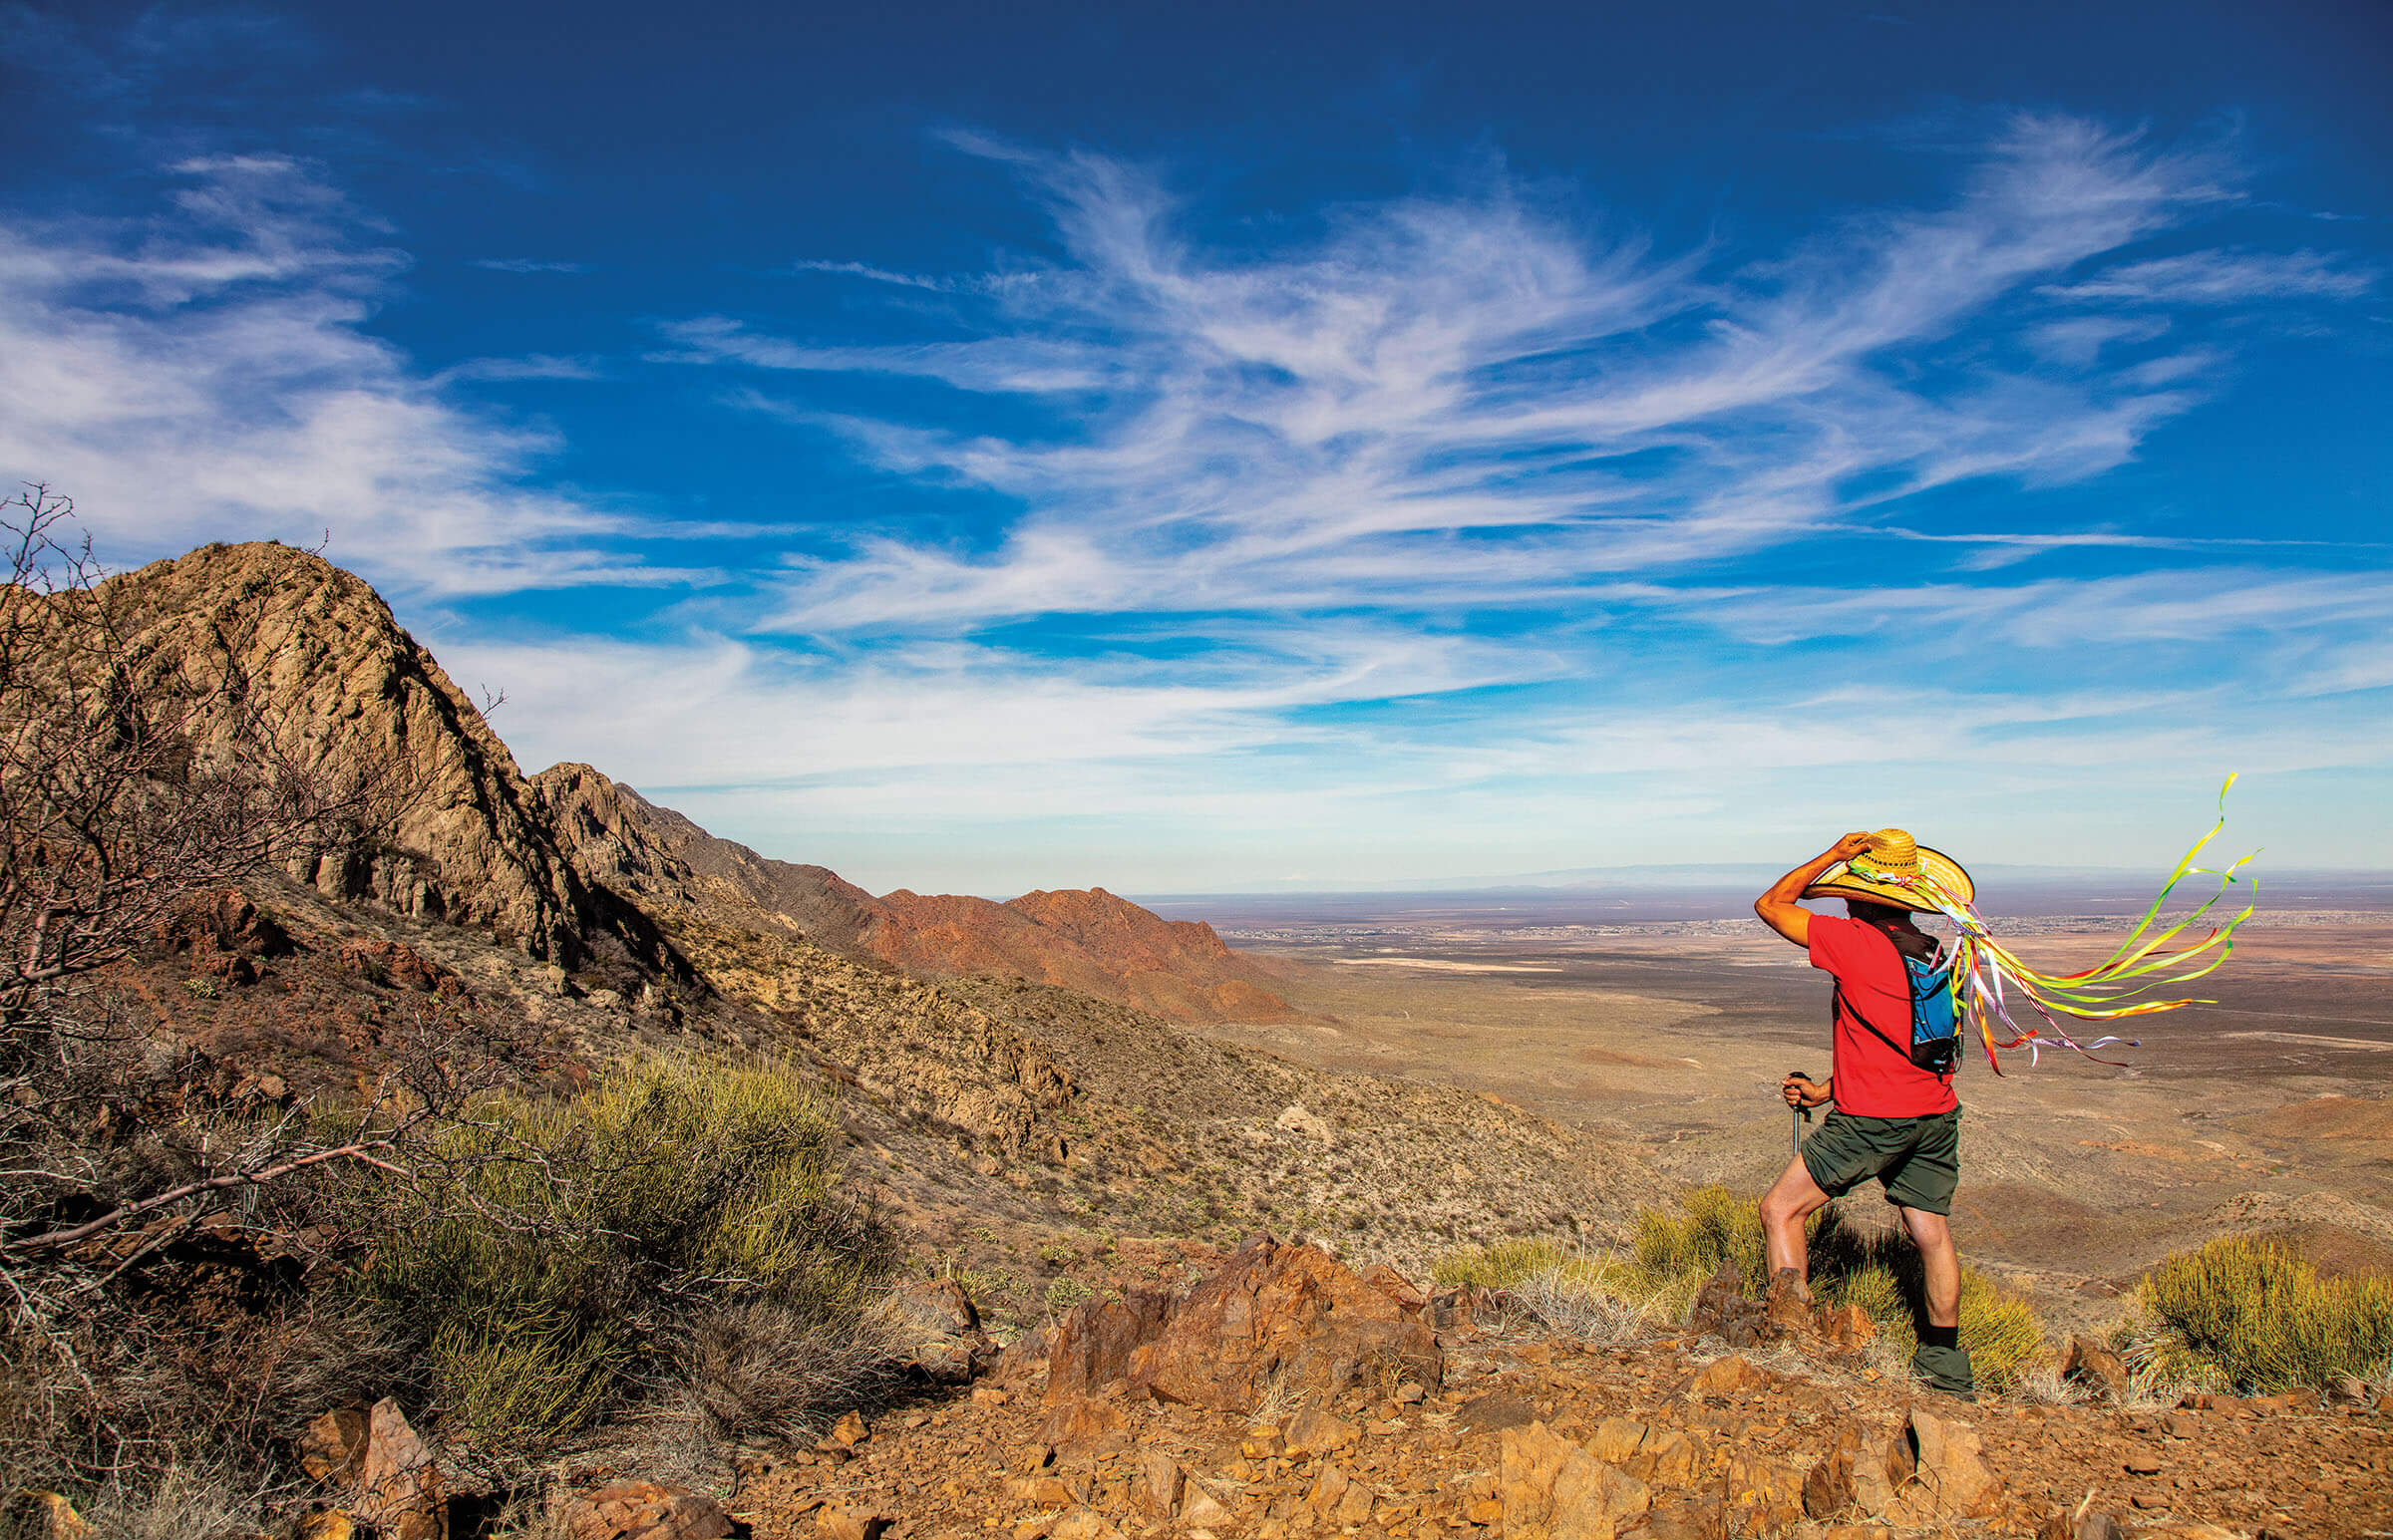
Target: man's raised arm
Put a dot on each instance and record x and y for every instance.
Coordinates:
(1779, 909)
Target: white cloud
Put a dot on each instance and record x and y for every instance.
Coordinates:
(206, 372)
(529, 265)
(1468, 402)
(2222, 279)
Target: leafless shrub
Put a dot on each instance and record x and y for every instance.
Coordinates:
(135, 782)
(760, 1371)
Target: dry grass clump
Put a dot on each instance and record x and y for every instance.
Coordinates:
(554, 1253)
(2250, 1314)
(1576, 1293)
(1876, 1270)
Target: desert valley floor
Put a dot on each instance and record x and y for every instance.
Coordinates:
(2267, 1110)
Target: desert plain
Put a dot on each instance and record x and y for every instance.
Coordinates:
(1665, 1020)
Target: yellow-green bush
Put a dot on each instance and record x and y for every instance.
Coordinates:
(2252, 1314)
(548, 1245)
(1498, 1266)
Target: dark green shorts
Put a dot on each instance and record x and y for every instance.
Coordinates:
(1917, 1159)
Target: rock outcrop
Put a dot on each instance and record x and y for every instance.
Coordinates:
(290, 645)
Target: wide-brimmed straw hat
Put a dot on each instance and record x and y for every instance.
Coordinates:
(1893, 853)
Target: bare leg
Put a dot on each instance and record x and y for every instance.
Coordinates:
(1940, 1264)
(1788, 1203)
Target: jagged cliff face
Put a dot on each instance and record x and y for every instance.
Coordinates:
(350, 696)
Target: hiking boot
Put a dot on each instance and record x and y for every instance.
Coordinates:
(1946, 1369)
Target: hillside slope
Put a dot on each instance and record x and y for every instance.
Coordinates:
(1086, 940)
(1014, 1123)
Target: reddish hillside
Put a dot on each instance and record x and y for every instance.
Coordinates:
(1090, 941)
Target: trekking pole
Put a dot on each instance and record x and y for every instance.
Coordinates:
(1797, 1117)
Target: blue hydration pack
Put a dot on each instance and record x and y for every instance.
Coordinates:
(1936, 1012)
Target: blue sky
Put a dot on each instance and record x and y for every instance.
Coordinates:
(986, 448)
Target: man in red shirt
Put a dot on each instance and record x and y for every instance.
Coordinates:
(1892, 1120)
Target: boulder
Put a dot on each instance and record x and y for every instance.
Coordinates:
(642, 1510)
(1721, 1309)
(2097, 1367)
(1093, 1345)
(333, 1447)
(944, 1342)
(1290, 1314)
(1788, 1306)
(1552, 1489)
(1316, 1431)
(398, 1480)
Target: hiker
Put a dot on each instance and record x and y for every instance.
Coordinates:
(1895, 1117)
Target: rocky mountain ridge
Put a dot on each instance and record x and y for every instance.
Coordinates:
(1015, 1123)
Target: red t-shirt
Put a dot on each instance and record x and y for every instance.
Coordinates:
(1873, 1079)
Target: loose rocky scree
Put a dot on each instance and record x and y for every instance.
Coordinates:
(1276, 1393)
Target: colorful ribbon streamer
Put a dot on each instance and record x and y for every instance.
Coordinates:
(1988, 977)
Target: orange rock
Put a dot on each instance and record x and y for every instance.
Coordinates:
(846, 1432)
(334, 1445)
(642, 1510)
(398, 1483)
(1316, 1431)
(1552, 1489)
(1287, 1313)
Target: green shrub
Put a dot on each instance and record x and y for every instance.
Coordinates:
(1716, 1226)
(2251, 1315)
(1064, 1293)
(1498, 1266)
(550, 1245)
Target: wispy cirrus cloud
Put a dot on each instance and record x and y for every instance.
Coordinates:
(1467, 401)
(529, 265)
(2222, 279)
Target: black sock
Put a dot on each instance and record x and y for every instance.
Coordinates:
(1940, 1337)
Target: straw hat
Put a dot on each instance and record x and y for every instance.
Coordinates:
(1893, 853)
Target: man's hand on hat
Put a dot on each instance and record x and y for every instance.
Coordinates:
(1849, 846)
